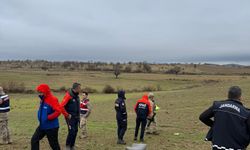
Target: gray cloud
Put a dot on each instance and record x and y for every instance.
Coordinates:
(131, 30)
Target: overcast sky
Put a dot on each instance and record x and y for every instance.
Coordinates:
(125, 30)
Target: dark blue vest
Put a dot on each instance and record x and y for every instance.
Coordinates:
(5, 106)
(142, 110)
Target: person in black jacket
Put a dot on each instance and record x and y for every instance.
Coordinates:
(71, 111)
(230, 124)
(121, 116)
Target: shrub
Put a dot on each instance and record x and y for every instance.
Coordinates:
(176, 70)
(13, 87)
(61, 89)
(148, 89)
(29, 92)
(89, 90)
(108, 89)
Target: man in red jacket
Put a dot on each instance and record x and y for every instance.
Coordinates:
(143, 111)
(71, 110)
(48, 114)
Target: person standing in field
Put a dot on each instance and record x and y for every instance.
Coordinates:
(121, 116)
(71, 110)
(230, 126)
(48, 114)
(85, 110)
(152, 124)
(4, 110)
(143, 111)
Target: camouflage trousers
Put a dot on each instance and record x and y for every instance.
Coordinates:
(4, 129)
(83, 126)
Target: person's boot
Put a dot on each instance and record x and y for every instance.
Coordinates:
(122, 142)
(67, 148)
(142, 140)
(70, 148)
(3, 142)
(135, 139)
(10, 141)
(118, 141)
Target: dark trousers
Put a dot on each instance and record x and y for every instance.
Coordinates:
(52, 135)
(72, 131)
(140, 122)
(121, 128)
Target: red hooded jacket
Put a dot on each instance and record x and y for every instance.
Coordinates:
(50, 100)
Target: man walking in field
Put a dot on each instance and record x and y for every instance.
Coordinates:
(143, 111)
(71, 111)
(48, 114)
(121, 116)
(231, 122)
(4, 109)
(85, 110)
(152, 124)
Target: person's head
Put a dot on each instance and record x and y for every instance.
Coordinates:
(234, 92)
(1, 91)
(43, 90)
(76, 87)
(121, 94)
(85, 95)
(151, 96)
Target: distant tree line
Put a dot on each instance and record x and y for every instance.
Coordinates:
(75, 65)
(117, 68)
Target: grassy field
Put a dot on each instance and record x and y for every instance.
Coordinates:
(181, 98)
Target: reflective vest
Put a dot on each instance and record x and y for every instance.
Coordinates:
(83, 106)
(5, 106)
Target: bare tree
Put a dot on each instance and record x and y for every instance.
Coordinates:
(146, 67)
(117, 70)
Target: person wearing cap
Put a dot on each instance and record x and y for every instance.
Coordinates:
(143, 111)
(70, 106)
(229, 122)
(121, 116)
(48, 114)
(4, 110)
(151, 123)
(85, 110)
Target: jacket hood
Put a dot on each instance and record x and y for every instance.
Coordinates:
(44, 88)
(121, 94)
(145, 97)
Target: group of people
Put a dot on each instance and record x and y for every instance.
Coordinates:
(74, 109)
(229, 120)
(145, 110)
